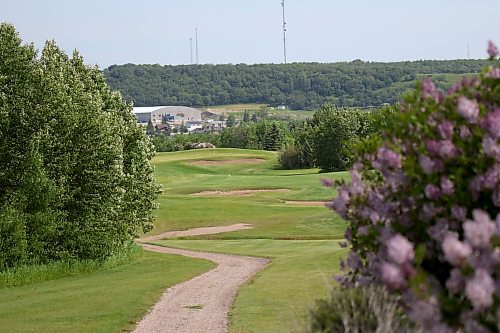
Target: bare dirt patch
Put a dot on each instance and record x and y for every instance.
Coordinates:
(201, 304)
(237, 192)
(197, 232)
(229, 162)
(306, 203)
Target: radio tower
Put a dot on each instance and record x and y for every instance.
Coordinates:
(191, 45)
(196, 43)
(284, 30)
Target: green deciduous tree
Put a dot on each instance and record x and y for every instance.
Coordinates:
(75, 178)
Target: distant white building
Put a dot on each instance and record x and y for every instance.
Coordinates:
(174, 114)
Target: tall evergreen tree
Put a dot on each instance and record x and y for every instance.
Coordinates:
(231, 120)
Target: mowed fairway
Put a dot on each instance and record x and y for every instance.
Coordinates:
(301, 240)
(183, 176)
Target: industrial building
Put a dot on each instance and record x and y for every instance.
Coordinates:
(173, 114)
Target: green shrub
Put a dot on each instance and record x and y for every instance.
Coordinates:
(12, 238)
(359, 310)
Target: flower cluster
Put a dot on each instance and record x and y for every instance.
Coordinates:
(424, 206)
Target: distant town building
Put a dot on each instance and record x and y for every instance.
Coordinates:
(173, 114)
(214, 126)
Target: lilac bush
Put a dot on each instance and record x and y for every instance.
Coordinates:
(424, 206)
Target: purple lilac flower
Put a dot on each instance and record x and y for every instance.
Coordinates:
(474, 327)
(389, 157)
(456, 281)
(429, 89)
(492, 49)
(491, 148)
(479, 231)
(445, 129)
(395, 179)
(426, 164)
(400, 249)
(432, 192)
(447, 186)
(363, 230)
(374, 217)
(476, 185)
(492, 123)
(447, 149)
(427, 314)
(494, 73)
(464, 132)
(391, 275)
(495, 256)
(357, 186)
(339, 204)
(439, 230)
(354, 261)
(432, 147)
(469, 109)
(458, 212)
(492, 177)
(495, 197)
(428, 211)
(455, 251)
(480, 289)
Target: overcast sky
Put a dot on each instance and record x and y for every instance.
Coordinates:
(110, 32)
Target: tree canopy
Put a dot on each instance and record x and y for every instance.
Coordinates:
(75, 178)
(296, 85)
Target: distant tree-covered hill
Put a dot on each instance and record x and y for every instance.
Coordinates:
(297, 85)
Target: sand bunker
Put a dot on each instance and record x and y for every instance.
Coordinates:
(229, 162)
(238, 192)
(197, 232)
(306, 203)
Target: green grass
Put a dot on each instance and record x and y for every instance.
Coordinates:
(104, 301)
(301, 241)
(279, 297)
(239, 109)
(28, 274)
(267, 212)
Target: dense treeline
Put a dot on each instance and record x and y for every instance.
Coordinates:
(75, 178)
(265, 134)
(297, 85)
(325, 141)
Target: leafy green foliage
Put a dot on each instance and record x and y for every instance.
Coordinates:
(74, 166)
(298, 85)
(334, 132)
(351, 310)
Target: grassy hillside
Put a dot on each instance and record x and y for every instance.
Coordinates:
(182, 176)
(302, 241)
(299, 86)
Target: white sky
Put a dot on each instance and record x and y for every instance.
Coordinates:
(110, 32)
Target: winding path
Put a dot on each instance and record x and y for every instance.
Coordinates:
(202, 303)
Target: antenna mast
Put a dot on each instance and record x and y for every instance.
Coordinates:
(196, 42)
(191, 45)
(284, 30)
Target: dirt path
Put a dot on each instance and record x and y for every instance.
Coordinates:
(202, 303)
